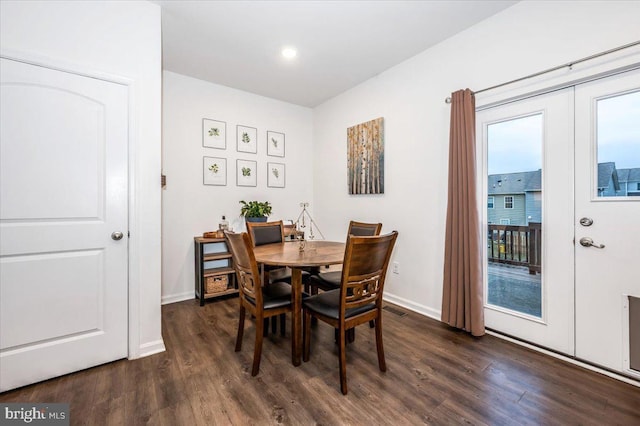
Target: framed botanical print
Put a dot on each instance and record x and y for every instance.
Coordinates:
(214, 134)
(214, 171)
(246, 173)
(246, 139)
(275, 175)
(275, 144)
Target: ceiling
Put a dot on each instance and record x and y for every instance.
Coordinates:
(340, 43)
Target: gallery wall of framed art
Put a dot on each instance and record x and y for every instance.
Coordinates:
(248, 140)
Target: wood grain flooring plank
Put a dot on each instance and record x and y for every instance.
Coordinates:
(435, 375)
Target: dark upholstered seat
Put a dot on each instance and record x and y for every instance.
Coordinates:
(275, 295)
(261, 301)
(358, 300)
(330, 280)
(327, 303)
(261, 233)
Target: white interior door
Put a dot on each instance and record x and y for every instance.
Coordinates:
(63, 192)
(607, 193)
(527, 175)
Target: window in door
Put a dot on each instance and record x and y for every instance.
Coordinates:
(514, 161)
(617, 124)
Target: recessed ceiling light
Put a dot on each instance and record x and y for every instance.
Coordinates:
(289, 52)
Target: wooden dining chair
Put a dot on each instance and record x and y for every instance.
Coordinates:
(261, 233)
(359, 298)
(261, 301)
(331, 280)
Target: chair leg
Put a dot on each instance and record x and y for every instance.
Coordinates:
(274, 325)
(343, 361)
(265, 327)
(240, 328)
(306, 335)
(283, 324)
(381, 362)
(350, 335)
(257, 350)
(372, 324)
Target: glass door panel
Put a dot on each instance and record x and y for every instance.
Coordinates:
(618, 145)
(514, 218)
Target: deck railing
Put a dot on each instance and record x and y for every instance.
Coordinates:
(516, 245)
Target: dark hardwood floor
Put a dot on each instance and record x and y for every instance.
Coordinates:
(436, 375)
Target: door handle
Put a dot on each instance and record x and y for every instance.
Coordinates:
(117, 235)
(588, 242)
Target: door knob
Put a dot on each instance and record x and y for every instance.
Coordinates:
(117, 235)
(588, 242)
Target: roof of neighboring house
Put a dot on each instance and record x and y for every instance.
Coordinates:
(607, 171)
(629, 175)
(515, 183)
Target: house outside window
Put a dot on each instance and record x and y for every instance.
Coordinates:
(508, 202)
(505, 221)
(490, 201)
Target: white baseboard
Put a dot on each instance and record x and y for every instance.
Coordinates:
(412, 306)
(151, 348)
(180, 297)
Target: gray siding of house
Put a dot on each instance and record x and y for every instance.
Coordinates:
(633, 188)
(516, 215)
(609, 190)
(629, 180)
(534, 207)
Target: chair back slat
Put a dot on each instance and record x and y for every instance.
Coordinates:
(360, 293)
(362, 229)
(261, 233)
(246, 267)
(364, 270)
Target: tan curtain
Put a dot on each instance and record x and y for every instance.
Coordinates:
(462, 296)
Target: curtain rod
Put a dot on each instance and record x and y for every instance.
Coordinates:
(568, 64)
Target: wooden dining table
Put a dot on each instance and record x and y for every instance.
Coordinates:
(288, 253)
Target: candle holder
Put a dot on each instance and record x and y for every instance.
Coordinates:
(301, 224)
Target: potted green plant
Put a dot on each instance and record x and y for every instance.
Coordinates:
(255, 211)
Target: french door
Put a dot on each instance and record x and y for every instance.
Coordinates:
(607, 208)
(561, 175)
(527, 179)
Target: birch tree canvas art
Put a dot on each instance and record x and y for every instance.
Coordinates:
(365, 157)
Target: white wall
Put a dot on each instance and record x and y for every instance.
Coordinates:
(121, 39)
(190, 208)
(524, 39)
